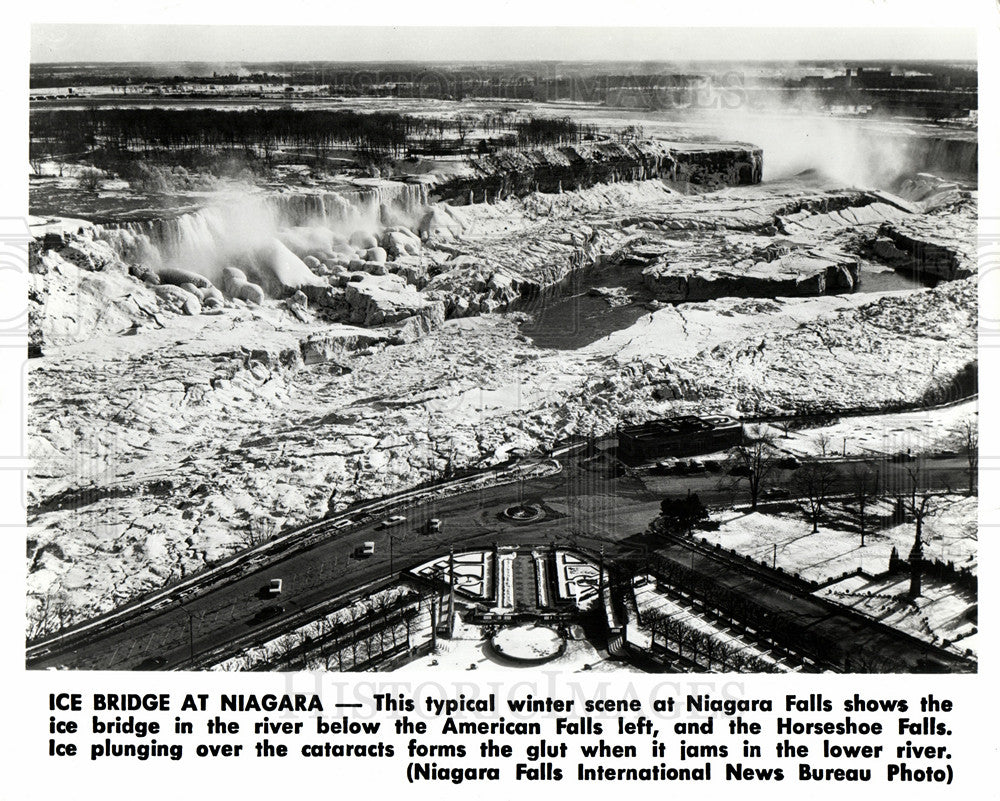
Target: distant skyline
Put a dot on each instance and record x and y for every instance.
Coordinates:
(227, 44)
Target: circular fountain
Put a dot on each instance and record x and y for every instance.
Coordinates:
(523, 513)
(528, 644)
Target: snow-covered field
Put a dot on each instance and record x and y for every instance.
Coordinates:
(925, 431)
(950, 534)
(944, 611)
(943, 614)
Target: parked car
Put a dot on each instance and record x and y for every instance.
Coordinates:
(267, 613)
(395, 520)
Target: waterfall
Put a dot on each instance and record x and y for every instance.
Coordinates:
(956, 156)
(234, 225)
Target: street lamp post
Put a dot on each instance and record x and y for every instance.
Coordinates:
(190, 618)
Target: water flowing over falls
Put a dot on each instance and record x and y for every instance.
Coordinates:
(237, 224)
(952, 156)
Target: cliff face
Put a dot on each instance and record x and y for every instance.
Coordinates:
(927, 248)
(517, 173)
(794, 275)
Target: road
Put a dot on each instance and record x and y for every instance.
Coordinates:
(583, 508)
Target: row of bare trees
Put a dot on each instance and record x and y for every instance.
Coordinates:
(782, 628)
(261, 131)
(702, 647)
(253, 130)
(738, 608)
(356, 637)
(815, 481)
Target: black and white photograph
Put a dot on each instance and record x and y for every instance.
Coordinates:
(497, 350)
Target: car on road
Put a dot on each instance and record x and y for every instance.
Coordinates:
(274, 587)
(267, 613)
(364, 550)
(152, 663)
(395, 520)
(775, 493)
(434, 524)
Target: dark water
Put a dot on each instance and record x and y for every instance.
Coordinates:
(889, 281)
(572, 322)
(573, 318)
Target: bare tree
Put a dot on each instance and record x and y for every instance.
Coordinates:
(654, 619)
(814, 481)
(409, 616)
(44, 615)
(259, 530)
(969, 433)
(90, 179)
(725, 651)
(710, 647)
(379, 609)
(919, 505)
(755, 458)
(864, 487)
(353, 615)
(918, 499)
(824, 441)
(286, 645)
(678, 632)
(463, 126)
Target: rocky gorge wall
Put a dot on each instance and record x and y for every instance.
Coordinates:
(926, 248)
(795, 275)
(518, 173)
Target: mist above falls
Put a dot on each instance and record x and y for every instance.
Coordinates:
(862, 153)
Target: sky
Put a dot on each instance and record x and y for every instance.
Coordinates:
(95, 43)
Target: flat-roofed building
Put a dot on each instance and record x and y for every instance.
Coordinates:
(679, 436)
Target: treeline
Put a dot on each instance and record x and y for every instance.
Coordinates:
(262, 131)
(57, 81)
(258, 130)
(542, 132)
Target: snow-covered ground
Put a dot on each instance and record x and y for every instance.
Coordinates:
(469, 649)
(944, 611)
(943, 614)
(651, 601)
(950, 534)
(155, 445)
(926, 431)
